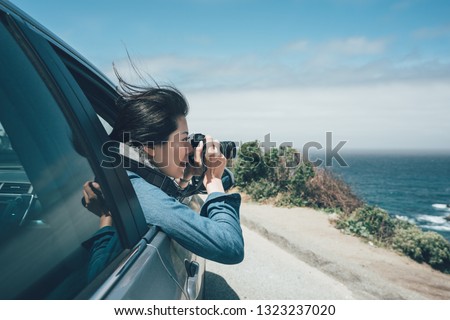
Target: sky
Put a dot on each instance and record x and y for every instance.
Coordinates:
(375, 73)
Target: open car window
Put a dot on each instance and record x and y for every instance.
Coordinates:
(99, 91)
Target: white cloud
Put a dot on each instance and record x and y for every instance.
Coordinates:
(430, 33)
(296, 46)
(313, 60)
(355, 46)
(198, 72)
(340, 50)
(298, 62)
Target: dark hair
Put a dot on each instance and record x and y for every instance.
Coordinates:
(147, 114)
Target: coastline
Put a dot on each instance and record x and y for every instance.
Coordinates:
(369, 272)
(410, 185)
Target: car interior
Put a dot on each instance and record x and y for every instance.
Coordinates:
(18, 203)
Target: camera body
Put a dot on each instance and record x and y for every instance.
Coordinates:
(227, 148)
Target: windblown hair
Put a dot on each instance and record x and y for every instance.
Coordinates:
(148, 114)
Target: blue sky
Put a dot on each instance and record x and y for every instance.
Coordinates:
(375, 73)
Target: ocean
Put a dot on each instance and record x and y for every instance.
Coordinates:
(410, 186)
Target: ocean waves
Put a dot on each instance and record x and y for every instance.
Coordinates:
(428, 222)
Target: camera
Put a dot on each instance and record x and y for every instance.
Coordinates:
(227, 148)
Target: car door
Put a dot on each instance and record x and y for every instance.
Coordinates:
(48, 94)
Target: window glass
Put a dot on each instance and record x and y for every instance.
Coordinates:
(46, 234)
(100, 94)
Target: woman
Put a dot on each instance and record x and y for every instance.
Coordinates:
(153, 121)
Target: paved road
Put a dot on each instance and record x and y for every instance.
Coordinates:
(269, 272)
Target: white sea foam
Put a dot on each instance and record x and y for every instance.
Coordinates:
(440, 206)
(432, 219)
(438, 228)
(404, 218)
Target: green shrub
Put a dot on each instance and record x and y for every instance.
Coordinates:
(249, 165)
(272, 162)
(428, 247)
(261, 190)
(293, 187)
(406, 241)
(297, 182)
(369, 222)
(375, 224)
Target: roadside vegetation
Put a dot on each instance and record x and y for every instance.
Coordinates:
(282, 178)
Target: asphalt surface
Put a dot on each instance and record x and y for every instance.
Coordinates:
(269, 273)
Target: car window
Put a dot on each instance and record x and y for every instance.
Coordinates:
(101, 94)
(46, 234)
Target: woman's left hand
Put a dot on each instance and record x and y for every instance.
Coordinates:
(195, 168)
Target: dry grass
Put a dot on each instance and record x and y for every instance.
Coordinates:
(325, 190)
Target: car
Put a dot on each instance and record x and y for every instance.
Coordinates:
(55, 115)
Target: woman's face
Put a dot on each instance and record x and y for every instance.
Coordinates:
(172, 157)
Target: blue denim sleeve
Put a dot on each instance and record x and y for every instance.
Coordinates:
(215, 234)
(103, 246)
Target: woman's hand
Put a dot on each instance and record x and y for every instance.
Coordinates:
(95, 202)
(215, 163)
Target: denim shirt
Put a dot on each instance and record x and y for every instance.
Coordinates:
(103, 246)
(214, 234)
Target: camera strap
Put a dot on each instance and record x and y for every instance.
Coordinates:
(155, 177)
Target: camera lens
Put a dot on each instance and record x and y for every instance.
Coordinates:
(228, 149)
